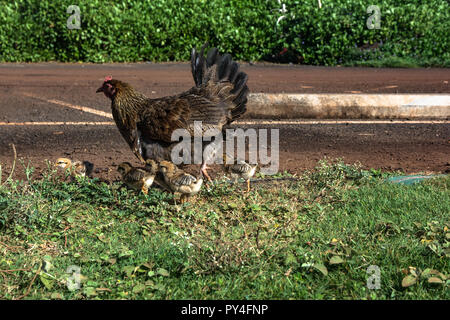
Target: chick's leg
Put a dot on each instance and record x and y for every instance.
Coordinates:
(248, 186)
(145, 189)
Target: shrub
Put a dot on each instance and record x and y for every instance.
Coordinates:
(159, 30)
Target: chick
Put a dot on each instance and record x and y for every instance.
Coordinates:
(241, 169)
(179, 181)
(153, 167)
(75, 168)
(136, 178)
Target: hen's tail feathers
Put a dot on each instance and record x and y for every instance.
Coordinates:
(221, 68)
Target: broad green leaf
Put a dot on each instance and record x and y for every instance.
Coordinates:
(125, 253)
(321, 268)
(430, 272)
(336, 260)
(104, 257)
(56, 296)
(91, 283)
(159, 286)
(89, 291)
(232, 205)
(435, 280)
(128, 270)
(408, 281)
(138, 288)
(162, 272)
(426, 272)
(46, 280)
(290, 259)
(147, 265)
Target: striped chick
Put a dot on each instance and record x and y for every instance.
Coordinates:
(241, 169)
(179, 181)
(153, 167)
(136, 178)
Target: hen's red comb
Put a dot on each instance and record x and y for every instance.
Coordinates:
(107, 78)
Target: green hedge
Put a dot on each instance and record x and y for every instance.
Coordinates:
(158, 30)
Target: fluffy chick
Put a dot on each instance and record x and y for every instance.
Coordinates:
(153, 167)
(179, 181)
(76, 168)
(241, 169)
(136, 178)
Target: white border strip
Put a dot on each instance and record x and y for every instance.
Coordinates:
(349, 106)
(73, 106)
(343, 106)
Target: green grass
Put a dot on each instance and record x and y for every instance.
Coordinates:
(398, 62)
(381, 58)
(311, 238)
(389, 62)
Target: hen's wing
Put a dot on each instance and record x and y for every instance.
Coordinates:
(164, 116)
(219, 97)
(130, 134)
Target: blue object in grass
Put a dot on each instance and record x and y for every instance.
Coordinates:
(408, 180)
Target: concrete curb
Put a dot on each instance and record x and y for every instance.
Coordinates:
(348, 106)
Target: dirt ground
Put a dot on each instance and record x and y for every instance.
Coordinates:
(28, 93)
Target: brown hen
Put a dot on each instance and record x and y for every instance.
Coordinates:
(217, 99)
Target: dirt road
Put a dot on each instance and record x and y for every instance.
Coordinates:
(59, 92)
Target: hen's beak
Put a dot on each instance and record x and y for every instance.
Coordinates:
(99, 90)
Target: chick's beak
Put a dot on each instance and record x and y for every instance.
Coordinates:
(99, 90)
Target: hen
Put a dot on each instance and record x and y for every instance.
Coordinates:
(217, 99)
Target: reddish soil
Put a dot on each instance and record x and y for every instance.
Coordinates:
(407, 147)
